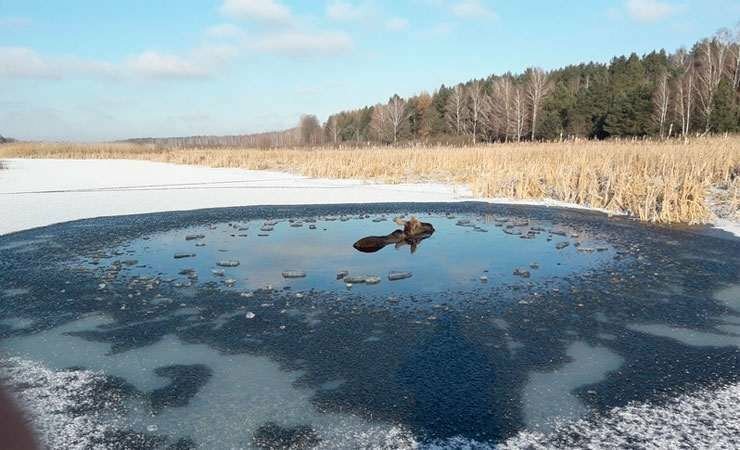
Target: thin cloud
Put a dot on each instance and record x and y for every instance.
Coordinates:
(22, 62)
(202, 62)
(153, 64)
(260, 10)
(650, 10)
(15, 22)
(472, 9)
(342, 11)
(26, 63)
(296, 43)
(396, 24)
(225, 31)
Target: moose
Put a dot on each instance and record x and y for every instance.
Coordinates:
(412, 234)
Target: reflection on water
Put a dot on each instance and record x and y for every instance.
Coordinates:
(463, 351)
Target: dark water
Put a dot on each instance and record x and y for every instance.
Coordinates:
(463, 249)
(249, 358)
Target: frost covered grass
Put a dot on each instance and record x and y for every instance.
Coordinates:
(665, 182)
(705, 419)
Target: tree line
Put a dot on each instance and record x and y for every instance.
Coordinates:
(662, 95)
(695, 91)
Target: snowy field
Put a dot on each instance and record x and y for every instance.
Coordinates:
(36, 193)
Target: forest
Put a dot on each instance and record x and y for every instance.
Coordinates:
(662, 95)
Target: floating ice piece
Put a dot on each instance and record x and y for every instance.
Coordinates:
(586, 249)
(294, 274)
(483, 279)
(250, 315)
(354, 279)
(194, 237)
(521, 273)
(229, 282)
(393, 276)
(184, 255)
(561, 245)
(247, 294)
(372, 280)
(217, 272)
(342, 273)
(267, 228)
(228, 263)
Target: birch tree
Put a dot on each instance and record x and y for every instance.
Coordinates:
(379, 122)
(735, 49)
(398, 115)
(501, 109)
(332, 126)
(389, 120)
(684, 88)
(455, 111)
(519, 110)
(537, 87)
(476, 108)
(711, 55)
(661, 100)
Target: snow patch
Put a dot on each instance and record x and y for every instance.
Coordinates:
(50, 399)
(704, 419)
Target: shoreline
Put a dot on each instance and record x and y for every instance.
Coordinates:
(42, 192)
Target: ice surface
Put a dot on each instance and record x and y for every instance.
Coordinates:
(688, 336)
(549, 395)
(243, 393)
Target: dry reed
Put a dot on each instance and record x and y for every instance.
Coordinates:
(665, 182)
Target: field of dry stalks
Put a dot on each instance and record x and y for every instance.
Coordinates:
(665, 182)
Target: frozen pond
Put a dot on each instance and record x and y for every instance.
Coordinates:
(266, 328)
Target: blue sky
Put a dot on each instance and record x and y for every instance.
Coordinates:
(98, 70)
